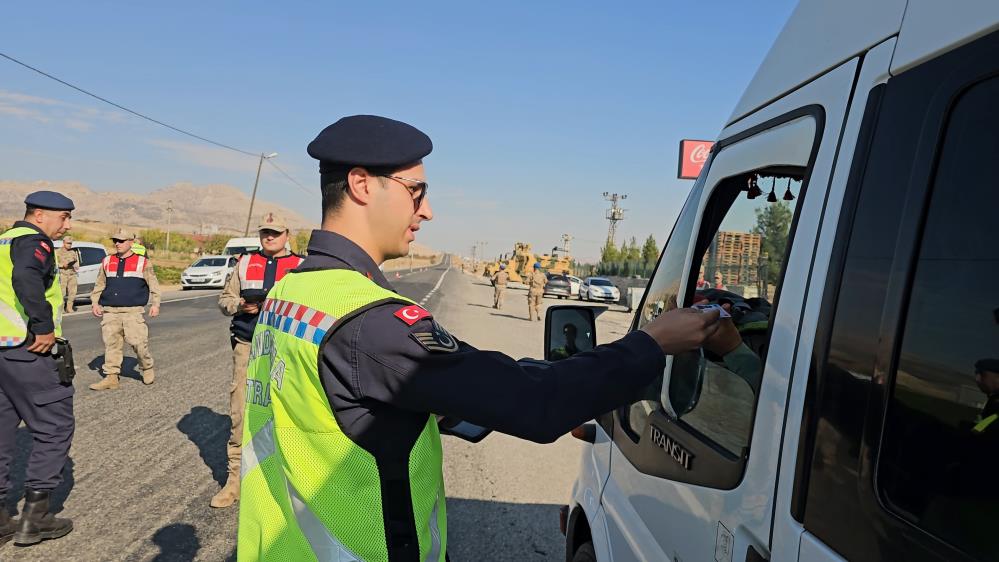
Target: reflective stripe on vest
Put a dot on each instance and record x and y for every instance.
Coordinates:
(252, 270)
(308, 491)
(982, 425)
(13, 318)
(134, 266)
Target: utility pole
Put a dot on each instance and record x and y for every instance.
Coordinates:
(615, 214)
(169, 210)
(253, 197)
(566, 240)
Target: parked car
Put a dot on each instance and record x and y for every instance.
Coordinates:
(574, 283)
(852, 424)
(91, 256)
(598, 289)
(558, 285)
(208, 271)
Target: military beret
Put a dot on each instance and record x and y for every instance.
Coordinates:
(49, 200)
(369, 141)
(990, 365)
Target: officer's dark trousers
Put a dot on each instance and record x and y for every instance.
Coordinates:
(30, 391)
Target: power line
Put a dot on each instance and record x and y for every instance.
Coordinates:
(291, 179)
(123, 108)
(152, 120)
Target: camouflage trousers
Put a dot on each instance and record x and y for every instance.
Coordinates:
(237, 402)
(498, 296)
(119, 327)
(67, 282)
(534, 297)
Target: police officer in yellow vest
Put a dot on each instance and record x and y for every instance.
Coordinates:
(30, 389)
(342, 455)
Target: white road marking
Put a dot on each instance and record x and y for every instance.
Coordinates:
(434, 290)
(161, 303)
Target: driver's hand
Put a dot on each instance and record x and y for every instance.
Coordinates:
(726, 339)
(43, 343)
(682, 329)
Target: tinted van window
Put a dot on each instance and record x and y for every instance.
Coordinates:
(940, 457)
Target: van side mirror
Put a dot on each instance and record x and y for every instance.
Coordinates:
(570, 330)
(684, 382)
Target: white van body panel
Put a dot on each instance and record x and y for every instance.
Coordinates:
(814, 550)
(684, 518)
(932, 27)
(818, 36)
(236, 246)
(788, 532)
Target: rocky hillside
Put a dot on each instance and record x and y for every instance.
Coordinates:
(196, 208)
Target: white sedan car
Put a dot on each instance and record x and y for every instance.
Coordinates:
(598, 289)
(208, 271)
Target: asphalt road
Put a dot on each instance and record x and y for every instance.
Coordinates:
(146, 460)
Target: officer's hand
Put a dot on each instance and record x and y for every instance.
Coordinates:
(726, 339)
(154, 311)
(97, 310)
(682, 329)
(43, 343)
(249, 307)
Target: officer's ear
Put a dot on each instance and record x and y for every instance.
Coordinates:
(360, 185)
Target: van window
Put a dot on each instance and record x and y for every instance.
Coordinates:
(940, 453)
(741, 248)
(661, 296)
(91, 256)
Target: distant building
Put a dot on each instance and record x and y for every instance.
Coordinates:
(736, 255)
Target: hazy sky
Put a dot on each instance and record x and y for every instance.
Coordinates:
(535, 108)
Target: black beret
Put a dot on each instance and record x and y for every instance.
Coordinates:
(990, 365)
(49, 200)
(369, 141)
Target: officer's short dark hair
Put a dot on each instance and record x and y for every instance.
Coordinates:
(30, 210)
(333, 182)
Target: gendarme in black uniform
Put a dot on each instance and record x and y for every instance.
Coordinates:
(30, 389)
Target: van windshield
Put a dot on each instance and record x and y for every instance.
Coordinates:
(237, 250)
(211, 262)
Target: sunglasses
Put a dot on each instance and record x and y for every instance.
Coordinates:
(418, 191)
(117, 241)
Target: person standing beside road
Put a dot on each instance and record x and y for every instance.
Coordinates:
(125, 284)
(30, 387)
(500, 279)
(69, 263)
(241, 298)
(536, 282)
(342, 456)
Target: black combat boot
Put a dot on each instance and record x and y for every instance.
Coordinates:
(7, 525)
(37, 524)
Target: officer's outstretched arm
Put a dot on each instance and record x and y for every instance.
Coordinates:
(422, 368)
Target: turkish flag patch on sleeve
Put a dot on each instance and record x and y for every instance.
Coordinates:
(412, 314)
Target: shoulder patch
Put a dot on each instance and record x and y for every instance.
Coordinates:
(438, 340)
(412, 314)
(45, 245)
